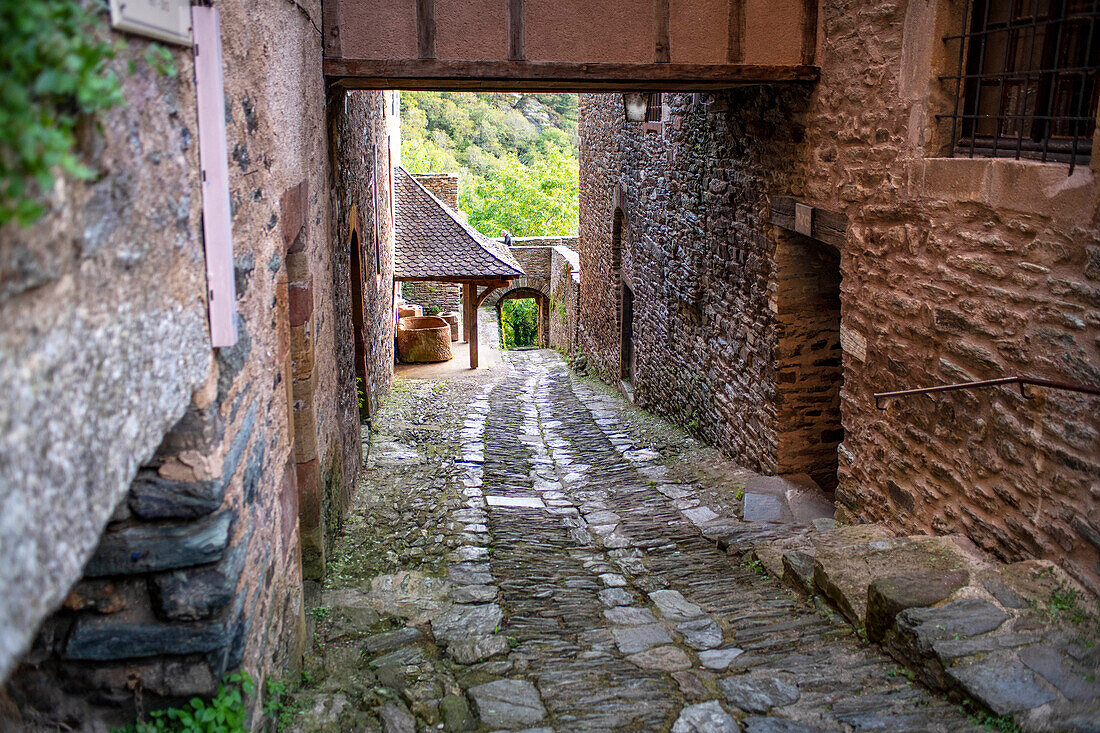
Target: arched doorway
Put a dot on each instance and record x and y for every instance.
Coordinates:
(357, 319)
(542, 304)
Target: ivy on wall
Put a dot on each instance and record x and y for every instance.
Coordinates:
(53, 73)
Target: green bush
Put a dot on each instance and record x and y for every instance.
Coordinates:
(52, 73)
(225, 713)
(519, 322)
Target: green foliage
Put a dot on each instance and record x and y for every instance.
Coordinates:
(160, 60)
(225, 713)
(516, 155)
(980, 716)
(52, 73)
(519, 322)
(279, 706)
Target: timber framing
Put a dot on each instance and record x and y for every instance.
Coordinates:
(436, 75)
(825, 226)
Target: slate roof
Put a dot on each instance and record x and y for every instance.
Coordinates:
(432, 240)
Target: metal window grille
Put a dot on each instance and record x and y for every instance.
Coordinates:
(653, 107)
(1026, 84)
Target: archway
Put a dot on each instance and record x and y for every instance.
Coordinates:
(542, 301)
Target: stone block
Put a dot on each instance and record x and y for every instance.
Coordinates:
(155, 497)
(507, 704)
(101, 596)
(887, 597)
(144, 549)
(844, 573)
(758, 695)
(1002, 684)
(102, 638)
(301, 302)
(199, 593)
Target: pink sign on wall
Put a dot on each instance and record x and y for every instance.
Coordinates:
(217, 227)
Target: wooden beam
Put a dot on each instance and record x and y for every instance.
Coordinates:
(735, 51)
(662, 53)
(809, 31)
(432, 74)
(483, 280)
(829, 227)
(469, 291)
(425, 29)
(517, 44)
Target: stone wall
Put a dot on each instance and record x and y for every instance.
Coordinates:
(552, 277)
(163, 477)
(444, 186)
(428, 293)
(564, 290)
(951, 270)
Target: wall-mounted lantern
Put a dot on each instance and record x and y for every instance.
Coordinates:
(635, 104)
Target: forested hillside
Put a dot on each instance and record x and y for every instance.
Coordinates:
(516, 155)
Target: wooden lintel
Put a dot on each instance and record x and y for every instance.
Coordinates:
(435, 75)
(829, 227)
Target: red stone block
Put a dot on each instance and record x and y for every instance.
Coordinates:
(301, 303)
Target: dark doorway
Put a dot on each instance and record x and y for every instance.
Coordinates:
(810, 371)
(627, 337)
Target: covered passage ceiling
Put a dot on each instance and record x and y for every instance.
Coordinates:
(575, 45)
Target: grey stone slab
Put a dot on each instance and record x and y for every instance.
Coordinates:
(102, 638)
(778, 725)
(758, 695)
(629, 616)
(1004, 685)
(474, 593)
(615, 597)
(1058, 669)
(959, 619)
(149, 548)
(700, 515)
(631, 639)
(507, 703)
(391, 640)
(612, 580)
(403, 657)
(515, 502)
(761, 508)
(673, 606)
(705, 717)
(719, 658)
(463, 621)
(700, 633)
(666, 658)
(477, 647)
(395, 719)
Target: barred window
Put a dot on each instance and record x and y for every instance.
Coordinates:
(653, 107)
(1026, 79)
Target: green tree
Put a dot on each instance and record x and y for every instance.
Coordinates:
(519, 322)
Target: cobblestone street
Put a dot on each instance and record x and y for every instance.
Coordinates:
(524, 555)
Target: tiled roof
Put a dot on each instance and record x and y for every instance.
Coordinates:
(432, 240)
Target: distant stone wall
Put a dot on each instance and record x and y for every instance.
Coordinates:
(564, 291)
(427, 293)
(950, 270)
(444, 186)
(151, 531)
(552, 273)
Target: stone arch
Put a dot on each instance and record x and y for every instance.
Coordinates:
(358, 273)
(537, 288)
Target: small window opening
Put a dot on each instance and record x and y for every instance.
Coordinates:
(653, 107)
(1026, 79)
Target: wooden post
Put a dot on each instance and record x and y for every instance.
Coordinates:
(468, 296)
(473, 326)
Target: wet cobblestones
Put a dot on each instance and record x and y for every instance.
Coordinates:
(548, 547)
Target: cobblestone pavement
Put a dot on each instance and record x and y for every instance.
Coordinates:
(524, 555)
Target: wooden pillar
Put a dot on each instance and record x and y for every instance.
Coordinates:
(469, 294)
(473, 327)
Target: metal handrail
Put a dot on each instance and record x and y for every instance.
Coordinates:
(1022, 381)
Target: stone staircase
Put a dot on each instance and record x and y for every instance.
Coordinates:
(1022, 639)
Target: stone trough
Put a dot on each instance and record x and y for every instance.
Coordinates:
(451, 317)
(423, 339)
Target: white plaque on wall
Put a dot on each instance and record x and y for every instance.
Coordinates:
(165, 20)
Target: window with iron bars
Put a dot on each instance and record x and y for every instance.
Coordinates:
(653, 107)
(1026, 79)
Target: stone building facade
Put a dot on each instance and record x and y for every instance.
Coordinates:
(922, 269)
(162, 496)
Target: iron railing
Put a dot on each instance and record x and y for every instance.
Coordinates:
(1022, 381)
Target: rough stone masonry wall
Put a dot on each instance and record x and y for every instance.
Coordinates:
(159, 469)
(564, 292)
(952, 270)
(694, 251)
(428, 293)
